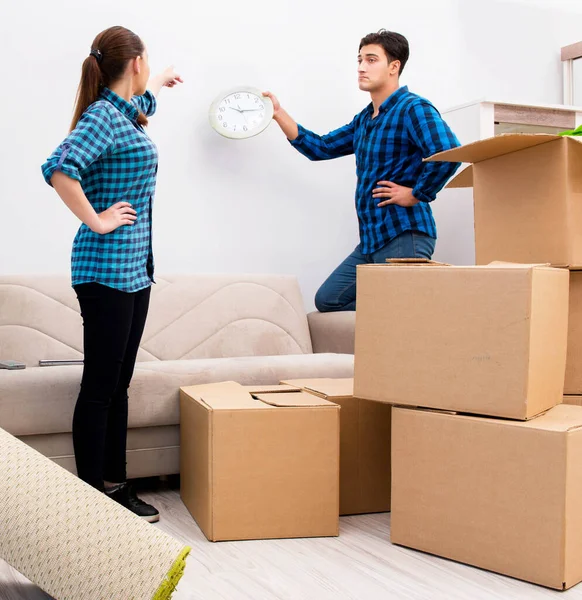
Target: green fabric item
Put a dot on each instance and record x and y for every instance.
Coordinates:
(169, 584)
(577, 131)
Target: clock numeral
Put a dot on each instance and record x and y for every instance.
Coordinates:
(227, 101)
(245, 128)
(222, 109)
(237, 96)
(261, 106)
(234, 128)
(220, 117)
(248, 97)
(256, 100)
(225, 124)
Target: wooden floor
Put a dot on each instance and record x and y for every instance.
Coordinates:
(361, 564)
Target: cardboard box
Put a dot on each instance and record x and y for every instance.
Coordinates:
(270, 389)
(259, 467)
(573, 384)
(487, 340)
(573, 400)
(364, 445)
(527, 191)
(501, 495)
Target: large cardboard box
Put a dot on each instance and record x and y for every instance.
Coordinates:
(364, 445)
(259, 466)
(487, 340)
(501, 495)
(573, 384)
(527, 192)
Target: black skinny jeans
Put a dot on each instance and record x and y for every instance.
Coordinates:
(113, 323)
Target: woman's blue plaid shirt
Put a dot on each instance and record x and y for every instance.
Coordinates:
(113, 158)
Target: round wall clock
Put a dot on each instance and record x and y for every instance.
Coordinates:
(241, 112)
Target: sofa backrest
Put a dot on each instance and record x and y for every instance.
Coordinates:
(190, 316)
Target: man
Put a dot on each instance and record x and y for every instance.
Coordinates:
(390, 138)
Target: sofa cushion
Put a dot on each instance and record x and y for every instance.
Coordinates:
(41, 400)
(190, 316)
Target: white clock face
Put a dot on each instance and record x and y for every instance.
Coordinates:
(241, 113)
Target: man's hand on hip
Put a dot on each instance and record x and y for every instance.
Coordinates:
(394, 194)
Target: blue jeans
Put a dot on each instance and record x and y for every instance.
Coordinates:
(338, 292)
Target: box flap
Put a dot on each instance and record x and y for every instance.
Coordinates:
(196, 391)
(464, 179)
(494, 265)
(493, 147)
(328, 388)
(227, 395)
(296, 399)
(415, 261)
(511, 265)
(271, 389)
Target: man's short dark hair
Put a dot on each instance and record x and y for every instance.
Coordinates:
(394, 44)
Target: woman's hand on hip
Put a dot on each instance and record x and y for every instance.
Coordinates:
(121, 213)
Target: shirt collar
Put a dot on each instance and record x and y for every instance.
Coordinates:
(390, 101)
(127, 108)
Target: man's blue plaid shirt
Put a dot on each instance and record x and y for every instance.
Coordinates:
(390, 147)
(115, 161)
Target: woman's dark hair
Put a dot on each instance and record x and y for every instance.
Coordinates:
(110, 52)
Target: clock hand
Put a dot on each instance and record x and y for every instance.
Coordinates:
(242, 112)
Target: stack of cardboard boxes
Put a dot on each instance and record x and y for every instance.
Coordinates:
(470, 356)
(458, 391)
(486, 462)
(527, 193)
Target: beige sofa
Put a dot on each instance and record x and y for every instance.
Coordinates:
(201, 328)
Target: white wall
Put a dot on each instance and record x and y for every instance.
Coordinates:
(255, 205)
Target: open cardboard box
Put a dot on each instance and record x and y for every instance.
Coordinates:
(259, 466)
(527, 191)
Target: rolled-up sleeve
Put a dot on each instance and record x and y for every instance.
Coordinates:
(147, 103)
(90, 140)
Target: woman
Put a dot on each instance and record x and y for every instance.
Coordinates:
(105, 172)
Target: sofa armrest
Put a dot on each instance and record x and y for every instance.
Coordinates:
(333, 331)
